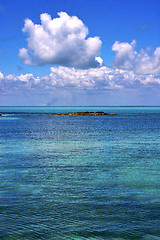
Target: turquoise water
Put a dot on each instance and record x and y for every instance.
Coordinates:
(79, 177)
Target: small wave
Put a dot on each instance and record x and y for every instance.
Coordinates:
(8, 117)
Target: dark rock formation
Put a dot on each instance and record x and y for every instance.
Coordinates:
(86, 114)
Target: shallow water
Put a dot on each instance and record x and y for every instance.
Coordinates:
(79, 177)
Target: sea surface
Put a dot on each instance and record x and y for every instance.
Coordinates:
(79, 177)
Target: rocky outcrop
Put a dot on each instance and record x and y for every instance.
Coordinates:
(112, 113)
(85, 114)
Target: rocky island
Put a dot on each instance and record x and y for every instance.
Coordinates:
(86, 113)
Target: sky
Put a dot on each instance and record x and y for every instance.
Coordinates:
(79, 53)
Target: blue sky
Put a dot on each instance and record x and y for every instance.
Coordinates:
(47, 69)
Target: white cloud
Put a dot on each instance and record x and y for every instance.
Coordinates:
(102, 78)
(99, 60)
(124, 55)
(141, 63)
(1, 76)
(60, 41)
(146, 64)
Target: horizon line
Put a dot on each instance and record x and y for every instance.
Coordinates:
(90, 106)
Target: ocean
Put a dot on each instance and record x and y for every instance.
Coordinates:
(79, 177)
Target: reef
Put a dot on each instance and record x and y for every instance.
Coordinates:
(85, 114)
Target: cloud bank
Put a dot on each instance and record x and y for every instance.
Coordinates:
(102, 78)
(71, 86)
(60, 41)
(141, 63)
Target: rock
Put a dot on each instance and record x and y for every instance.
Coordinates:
(113, 114)
(85, 114)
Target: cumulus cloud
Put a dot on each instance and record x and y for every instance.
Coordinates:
(141, 63)
(60, 41)
(102, 78)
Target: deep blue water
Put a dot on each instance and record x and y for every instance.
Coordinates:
(79, 177)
